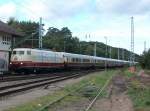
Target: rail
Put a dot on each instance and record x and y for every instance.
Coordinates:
(45, 108)
(96, 97)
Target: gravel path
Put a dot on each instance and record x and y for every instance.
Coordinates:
(117, 99)
(119, 102)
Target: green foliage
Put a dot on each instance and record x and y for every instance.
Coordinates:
(128, 74)
(61, 40)
(145, 59)
(138, 92)
(28, 29)
(140, 96)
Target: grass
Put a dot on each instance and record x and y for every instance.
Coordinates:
(128, 74)
(94, 81)
(97, 79)
(140, 97)
(36, 104)
(138, 92)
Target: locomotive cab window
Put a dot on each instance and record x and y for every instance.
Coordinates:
(21, 52)
(14, 52)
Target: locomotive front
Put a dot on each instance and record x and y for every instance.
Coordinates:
(19, 59)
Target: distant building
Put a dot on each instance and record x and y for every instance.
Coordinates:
(7, 39)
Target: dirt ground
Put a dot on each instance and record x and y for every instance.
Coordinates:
(143, 78)
(117, 99)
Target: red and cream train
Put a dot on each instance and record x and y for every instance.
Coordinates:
(27, 59)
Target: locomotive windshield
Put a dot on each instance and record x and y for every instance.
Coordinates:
(18, 52)
(14, 52)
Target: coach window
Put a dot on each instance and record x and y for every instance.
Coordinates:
(28, 52)
(76, 59)
(72, 59)
(79, 60)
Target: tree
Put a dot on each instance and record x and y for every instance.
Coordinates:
(28, 29)
(145, 59)
(61, 40)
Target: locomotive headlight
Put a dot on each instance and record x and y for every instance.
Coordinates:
(10, 63)
(21, 63)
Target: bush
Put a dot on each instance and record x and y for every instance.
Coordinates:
(145, 59)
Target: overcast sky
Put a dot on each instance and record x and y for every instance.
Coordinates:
(99, 18)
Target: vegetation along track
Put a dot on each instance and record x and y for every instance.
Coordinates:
(98, 94)
(29, 84)
(78, 90)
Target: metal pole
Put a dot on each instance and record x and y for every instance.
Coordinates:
(64, 45)
(106, 48)
(95, 49)
(144, 46)
(32, 40)
(122, 54)
(80, 46)
(110, 52)
(40, 33)
(106, 55)
(132, 43)
(118, 54)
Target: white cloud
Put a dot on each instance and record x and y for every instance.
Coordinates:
(99, 18)
(7, 10)
(52, 9)
(127, 7)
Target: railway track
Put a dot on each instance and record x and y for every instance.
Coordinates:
(98, 94)
(16, 77)
(23, 85)
(26, 86)
(89, 105)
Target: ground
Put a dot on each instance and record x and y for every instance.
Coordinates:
(125, 92)
(117, 99)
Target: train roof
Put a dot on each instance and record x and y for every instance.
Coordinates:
(75, 55)
(25, 49)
